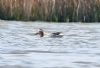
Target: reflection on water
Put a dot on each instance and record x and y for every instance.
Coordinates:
(19, 48)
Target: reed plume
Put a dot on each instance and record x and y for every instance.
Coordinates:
(51, 10)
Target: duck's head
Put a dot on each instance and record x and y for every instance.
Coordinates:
(40, 29)
(41, 32)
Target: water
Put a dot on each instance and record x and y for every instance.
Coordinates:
(19, 48)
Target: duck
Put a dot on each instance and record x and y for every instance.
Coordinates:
(56, 35)
(40, 33)
(52, 35)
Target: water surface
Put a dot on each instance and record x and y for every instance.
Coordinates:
(19, 48)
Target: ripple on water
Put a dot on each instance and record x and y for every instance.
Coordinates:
(87, 64)
(14, 66)
(16, 38)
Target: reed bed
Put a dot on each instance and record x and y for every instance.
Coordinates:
(51, 10)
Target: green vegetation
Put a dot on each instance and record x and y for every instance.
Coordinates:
(51, 10)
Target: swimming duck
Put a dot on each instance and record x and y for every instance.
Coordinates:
(40, 33)
(56, 34)
(53, 35)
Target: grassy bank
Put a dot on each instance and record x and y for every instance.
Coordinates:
(51, 10)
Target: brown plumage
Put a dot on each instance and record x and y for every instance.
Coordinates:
(53, 35)
(40, 33)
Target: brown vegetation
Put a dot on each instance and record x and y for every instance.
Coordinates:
(51, 10)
